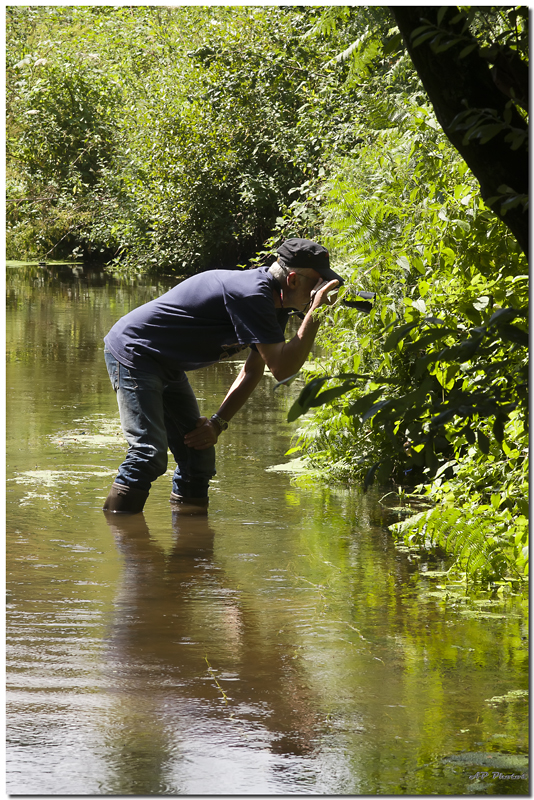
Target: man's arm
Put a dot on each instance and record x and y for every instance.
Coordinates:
(286, 358)
(243, 386)
(206, 433)
(283, 359)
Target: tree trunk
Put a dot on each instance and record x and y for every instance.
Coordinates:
(455, 84)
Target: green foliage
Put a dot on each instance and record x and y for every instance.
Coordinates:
(480, 513)
(61, 100)
(462, 534)
(67, 132)
(474, 65)
(431, 388)
(190, 131)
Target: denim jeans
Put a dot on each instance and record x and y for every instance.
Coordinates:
(155, 415)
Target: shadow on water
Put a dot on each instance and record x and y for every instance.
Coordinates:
(282, 645)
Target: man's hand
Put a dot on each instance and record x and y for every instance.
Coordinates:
(203, 436)
(319, 295)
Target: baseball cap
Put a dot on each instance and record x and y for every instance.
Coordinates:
(305, 253)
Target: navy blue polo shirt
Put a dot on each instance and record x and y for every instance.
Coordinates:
(203, 319)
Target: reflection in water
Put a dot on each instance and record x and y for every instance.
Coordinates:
(281, 646)
(186, 642)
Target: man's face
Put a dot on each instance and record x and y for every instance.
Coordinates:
(301, 287)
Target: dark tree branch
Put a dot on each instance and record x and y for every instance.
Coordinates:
(456, 84)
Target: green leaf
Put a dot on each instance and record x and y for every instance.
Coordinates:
(384, 470)
(461, 223)
(444, 417)
(488, 132)
(363, 403)
(469, 49)
(441, 14)
(310, 391)
(514, 334)
(423, 38)
(397, 334)
(423, 361)
(429, 338)
(370, 476)
(498, 427)
(435, 321)
(331, 394)
(375, 408)
(394, 43)
(512, 202)
(461, 352)
(504, 315)
(423, 287)
(292, 450)
(483, 442)
(431, 460)
(447, 44)
(285, 382)
(295, 411)
(448, 255)
(422, 28)
(444, 467)
(307, 395)
(469, 433)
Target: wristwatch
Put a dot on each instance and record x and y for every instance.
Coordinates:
(220, 422)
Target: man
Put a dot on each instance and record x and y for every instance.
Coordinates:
(201, 320)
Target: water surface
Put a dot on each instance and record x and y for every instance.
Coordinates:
(280, 646)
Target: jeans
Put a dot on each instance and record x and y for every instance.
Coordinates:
(155, 415)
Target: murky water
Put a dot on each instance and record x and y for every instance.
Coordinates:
(282, 646)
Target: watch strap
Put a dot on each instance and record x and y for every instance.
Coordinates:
(220, 422)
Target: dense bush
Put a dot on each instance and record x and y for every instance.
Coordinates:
(431, 389)
(178, 136)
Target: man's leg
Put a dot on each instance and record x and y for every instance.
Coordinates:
(194, 468)
(139, 396)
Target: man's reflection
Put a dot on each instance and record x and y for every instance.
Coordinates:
(187, 651)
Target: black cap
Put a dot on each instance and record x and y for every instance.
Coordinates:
(308, 255)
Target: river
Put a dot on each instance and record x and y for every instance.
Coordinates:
(282, 645)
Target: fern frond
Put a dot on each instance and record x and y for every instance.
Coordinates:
(466, 537)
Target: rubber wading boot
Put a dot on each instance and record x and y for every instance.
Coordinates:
(189, 505)
(125, 499)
